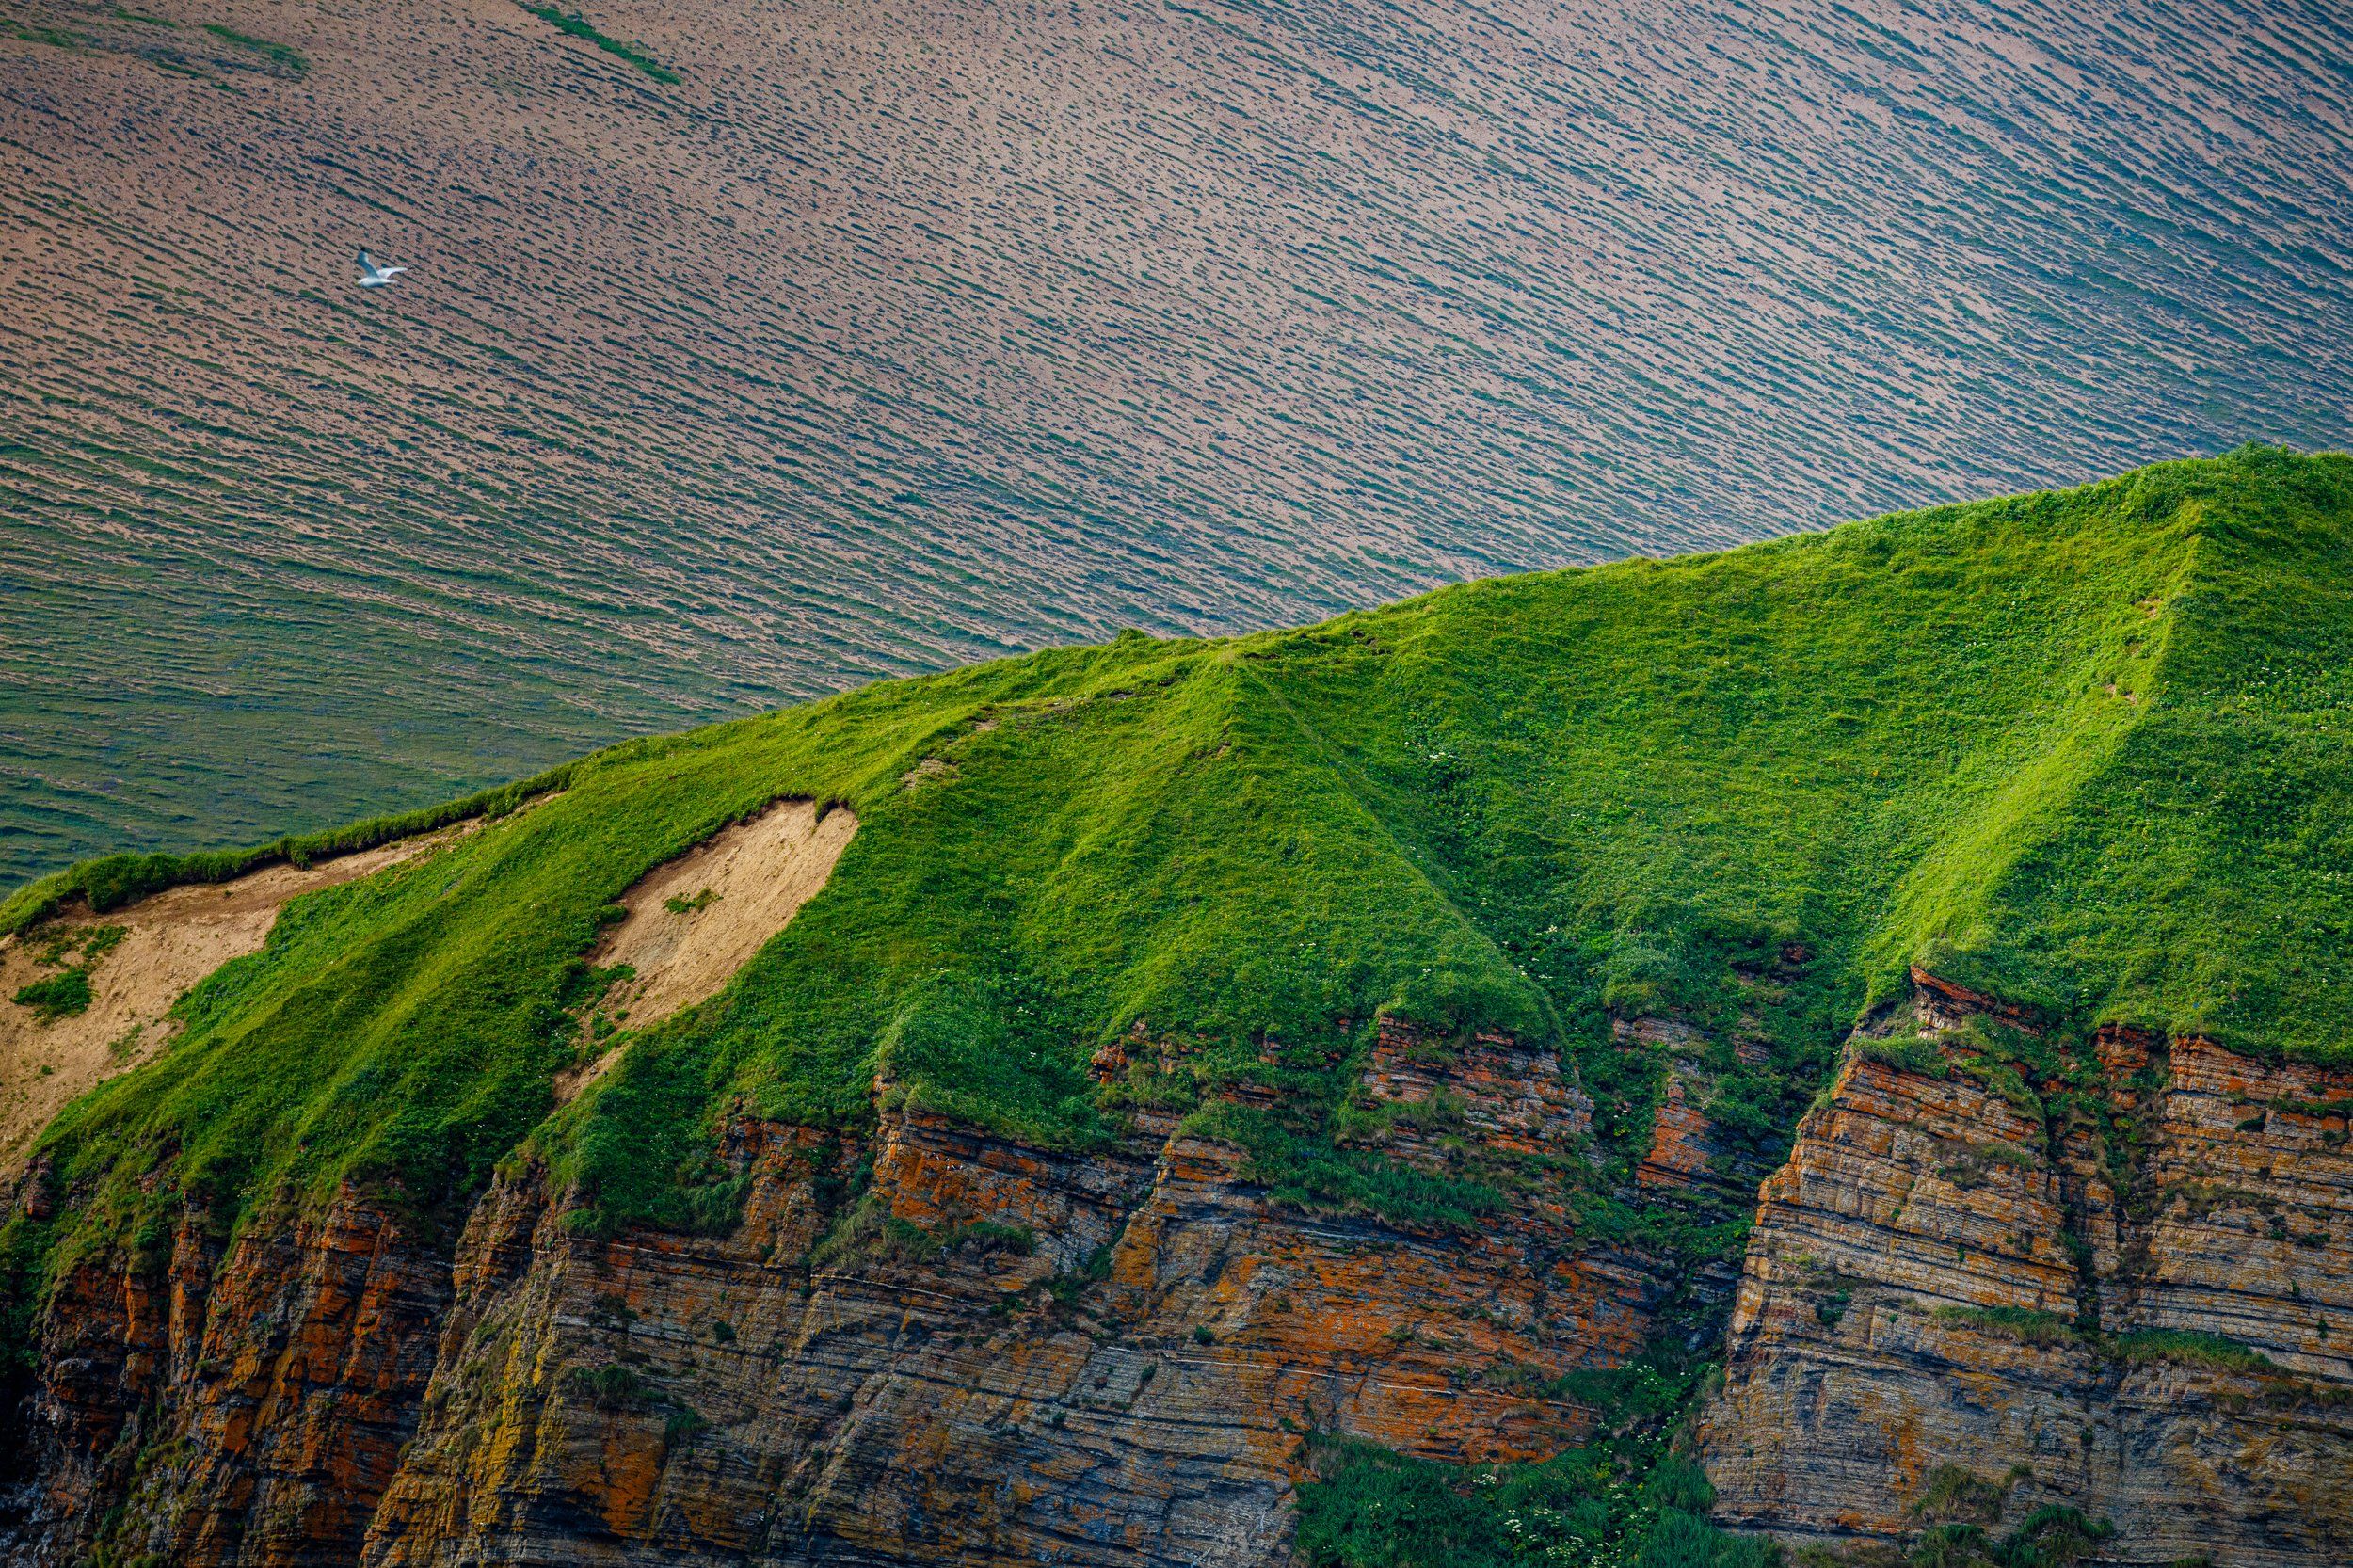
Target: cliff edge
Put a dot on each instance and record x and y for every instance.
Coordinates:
(1837, 1050)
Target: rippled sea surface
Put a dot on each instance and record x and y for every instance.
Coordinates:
(896, 334)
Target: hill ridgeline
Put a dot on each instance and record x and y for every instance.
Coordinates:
(1841, 1046)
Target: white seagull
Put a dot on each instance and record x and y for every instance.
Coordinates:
(373, 276)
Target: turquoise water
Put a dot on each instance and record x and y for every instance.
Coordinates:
(899, 335)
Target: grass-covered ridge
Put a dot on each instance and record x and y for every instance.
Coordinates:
(2085, 750)
(112, 881)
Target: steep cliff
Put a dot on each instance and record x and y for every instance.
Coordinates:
(990, 1353)
(2113, 1276)
(203, 1407)
(1306, 1094)
(927, 1343)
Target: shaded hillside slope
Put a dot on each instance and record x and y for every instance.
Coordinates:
(2087, 751)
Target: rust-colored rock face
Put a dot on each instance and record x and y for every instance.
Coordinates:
(1511, 1097)
(2132, 1294)
(924, 1344)
(1689, 1160)
(1002, 1356)
(1943, 1280)
(248, 1413)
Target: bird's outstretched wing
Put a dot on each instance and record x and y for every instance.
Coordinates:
(366, 262)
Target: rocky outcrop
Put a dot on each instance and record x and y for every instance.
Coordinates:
(925, 1341)
(246, 1409)
(1690, 1162)
(1509, 1095)
(2125, 1286)
(993, 1354)
(2121, 1281)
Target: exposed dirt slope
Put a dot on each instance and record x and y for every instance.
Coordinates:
(695, 920)
(168, 943)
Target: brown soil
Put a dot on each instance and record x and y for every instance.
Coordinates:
(694, 922)
(169, 942)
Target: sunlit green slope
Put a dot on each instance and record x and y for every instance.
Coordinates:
(2085, 750)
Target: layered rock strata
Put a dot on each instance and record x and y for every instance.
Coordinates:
(1508, 1095)
(922, 1342)
(1690, 1162)
(1967, 1295)
(2128, 1290)
(246, 1409)
(995, 1354)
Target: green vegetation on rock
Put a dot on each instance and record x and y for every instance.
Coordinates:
(1597, 1507)
(2091, 751)
(1632, 1498)
(2022, 1324)
(2189, 1348)
(2052, 1536)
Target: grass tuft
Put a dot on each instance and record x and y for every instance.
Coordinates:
(59, 996)
(2026, 1325)
(2188, 1347)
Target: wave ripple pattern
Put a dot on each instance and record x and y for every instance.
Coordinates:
(894, 334)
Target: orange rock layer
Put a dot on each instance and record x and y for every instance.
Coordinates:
(2046, 1297)
(992, 1353)
(927, 1343)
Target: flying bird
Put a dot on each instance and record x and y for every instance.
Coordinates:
(373, 276)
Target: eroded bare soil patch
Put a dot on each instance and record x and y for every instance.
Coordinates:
(694, 922)
(168, 943)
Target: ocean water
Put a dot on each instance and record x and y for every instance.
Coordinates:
(896, 335)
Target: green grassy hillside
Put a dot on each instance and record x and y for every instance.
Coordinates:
(2088, 749)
